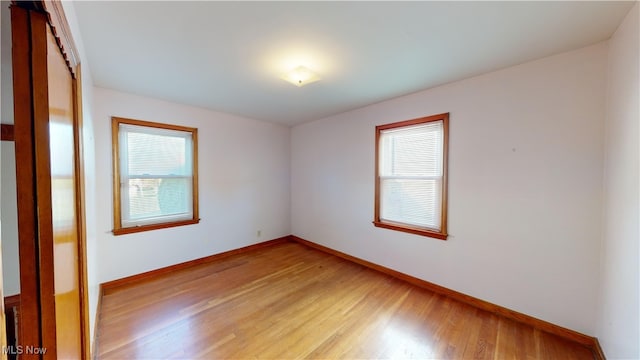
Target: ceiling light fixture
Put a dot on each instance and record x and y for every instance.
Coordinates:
(301, 76)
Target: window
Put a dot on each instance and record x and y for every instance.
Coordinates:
(411, 176)
(155, 175)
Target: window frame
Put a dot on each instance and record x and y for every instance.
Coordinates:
(118, 229)
(413, 229)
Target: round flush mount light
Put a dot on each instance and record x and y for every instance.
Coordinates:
(300, 76)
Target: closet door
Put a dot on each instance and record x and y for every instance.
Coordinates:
(62, 176)
(3, 330)
(48, 175)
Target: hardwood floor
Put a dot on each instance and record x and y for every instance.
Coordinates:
(291, 301)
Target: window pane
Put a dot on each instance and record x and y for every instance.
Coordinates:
(61, 139)
(410, 188)
(157, 153)
(152, 198)
(157, 175)
(415, 202)
(412, 151)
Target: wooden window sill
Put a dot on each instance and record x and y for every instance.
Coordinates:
(135, 229)
(412, 230)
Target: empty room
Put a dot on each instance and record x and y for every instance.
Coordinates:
(322, 180)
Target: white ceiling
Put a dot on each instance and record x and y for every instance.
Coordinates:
(229, 56)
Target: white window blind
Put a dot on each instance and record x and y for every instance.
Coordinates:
(411, 174)
(156, 175)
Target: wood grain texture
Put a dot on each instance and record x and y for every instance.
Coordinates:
(43, 102)
(62, 33)
(81, 211)
(62, 202)
(96, 324)
(5, 328)
(292, 301)
(43, 181)
(109, 286)
(545, 326)
(115, 167)
(131, 230)
(6, 132)
(12, 301)
(29, 325)
(12, 314)
(597, 350)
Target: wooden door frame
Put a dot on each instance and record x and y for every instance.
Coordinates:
(31, 110)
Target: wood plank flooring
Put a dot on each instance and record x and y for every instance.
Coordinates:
(290, 301)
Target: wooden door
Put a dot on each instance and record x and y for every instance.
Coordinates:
(52, 267)
(63, 203)
(3, 323)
